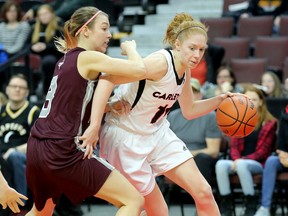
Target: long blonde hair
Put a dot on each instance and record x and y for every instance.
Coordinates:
(51, 29)
(77, 20)
(181, 27)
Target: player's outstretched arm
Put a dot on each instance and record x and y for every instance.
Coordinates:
(10, 197)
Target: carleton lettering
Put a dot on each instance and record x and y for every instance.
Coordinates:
(165, 96)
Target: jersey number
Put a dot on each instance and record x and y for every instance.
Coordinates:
(161, 110)
(49, 98)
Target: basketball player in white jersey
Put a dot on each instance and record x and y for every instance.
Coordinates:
(140, 143)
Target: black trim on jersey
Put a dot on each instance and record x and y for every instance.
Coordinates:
(139, 92)
(178, 81)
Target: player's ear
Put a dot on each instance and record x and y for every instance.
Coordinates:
(85, 31)
(177, 44)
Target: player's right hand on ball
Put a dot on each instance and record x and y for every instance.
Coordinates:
(127, 45)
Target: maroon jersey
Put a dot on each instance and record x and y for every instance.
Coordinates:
(66, 111)
(54, 163)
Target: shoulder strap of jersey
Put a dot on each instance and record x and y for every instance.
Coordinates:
(139, 92)
(179, 81)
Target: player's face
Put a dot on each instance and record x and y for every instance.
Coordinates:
(193, 49)
(100, 33)
(17, 90)
(254, 98)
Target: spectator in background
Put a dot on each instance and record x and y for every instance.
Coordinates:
(248, 155)
(256, 8)
(13, 31)
(201, 135)
(16, 120)
(65, 8)
(62, 8)
(47, 27)
(225, 81)
(273, 165)
(207, 68)
(272, 85)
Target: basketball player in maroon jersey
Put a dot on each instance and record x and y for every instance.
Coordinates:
(59, 156)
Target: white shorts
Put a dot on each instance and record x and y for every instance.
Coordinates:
(140, 158)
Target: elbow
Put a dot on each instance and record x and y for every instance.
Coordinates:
(188, 116)
(188, 112)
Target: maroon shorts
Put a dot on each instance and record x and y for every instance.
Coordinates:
(56, 166)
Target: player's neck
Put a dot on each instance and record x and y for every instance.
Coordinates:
(179, 66)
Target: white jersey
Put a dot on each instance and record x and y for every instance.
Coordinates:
(150, 110)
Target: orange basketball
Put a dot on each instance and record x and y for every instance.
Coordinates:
(237, 116)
